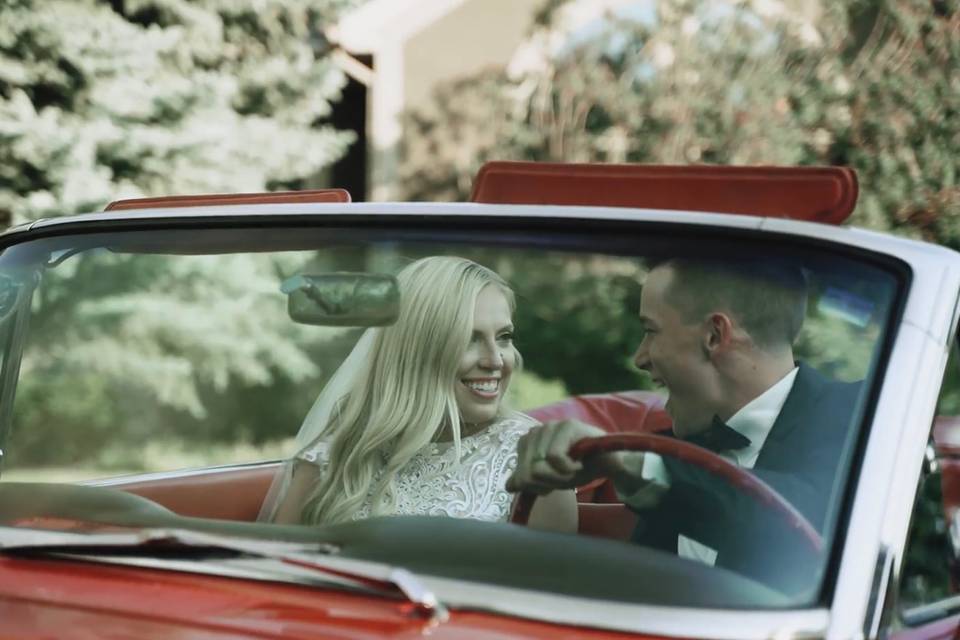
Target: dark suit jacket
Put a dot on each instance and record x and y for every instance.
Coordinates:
(800, 459)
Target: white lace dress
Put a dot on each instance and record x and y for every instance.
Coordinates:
(435, 483)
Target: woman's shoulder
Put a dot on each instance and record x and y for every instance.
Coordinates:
(516, 422)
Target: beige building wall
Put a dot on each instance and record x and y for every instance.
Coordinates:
(417, 44)
(475, 35)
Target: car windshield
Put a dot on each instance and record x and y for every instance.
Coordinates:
(372, 383)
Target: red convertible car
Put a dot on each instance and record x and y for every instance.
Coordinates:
(134, 340)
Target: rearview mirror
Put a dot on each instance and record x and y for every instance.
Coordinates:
(343, 299)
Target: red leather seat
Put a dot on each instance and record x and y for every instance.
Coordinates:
(237, 494)
(622, 411)
(234, 494)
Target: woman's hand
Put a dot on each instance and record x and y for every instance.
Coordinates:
(543, 464)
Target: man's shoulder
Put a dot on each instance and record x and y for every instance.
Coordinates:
(817, 413)
(811, 382)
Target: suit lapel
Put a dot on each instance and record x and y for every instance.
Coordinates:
(804, 395)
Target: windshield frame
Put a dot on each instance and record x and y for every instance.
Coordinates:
(654, 221)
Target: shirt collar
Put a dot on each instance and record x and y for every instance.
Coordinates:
(755, 419)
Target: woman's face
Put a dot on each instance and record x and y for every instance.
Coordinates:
(484, 371)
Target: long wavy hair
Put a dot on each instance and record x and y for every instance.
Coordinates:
(402, 397)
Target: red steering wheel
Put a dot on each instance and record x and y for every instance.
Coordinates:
(737, 477)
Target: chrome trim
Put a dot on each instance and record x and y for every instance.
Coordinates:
(415, 591)
(721, 624)
(923, 257)
(246, 568)
(145, 538)
(871, 624)
(930, 462)
(850, 236)
(429, 209)
(926, 613)
(152, 476)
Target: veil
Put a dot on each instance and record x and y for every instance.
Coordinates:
(311, 440)
(336, 389)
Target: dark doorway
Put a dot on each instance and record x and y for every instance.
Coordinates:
(350, 114)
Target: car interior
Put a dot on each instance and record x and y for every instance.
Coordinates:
(235, 493)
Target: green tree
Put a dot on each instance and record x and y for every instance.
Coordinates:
(573, 310)
(101, 100)
(862, 83)
(693, 84)
(128, 349)
(897, 122)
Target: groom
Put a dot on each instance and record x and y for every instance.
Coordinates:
(719, 337)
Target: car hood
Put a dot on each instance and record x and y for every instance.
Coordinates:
(48, 597)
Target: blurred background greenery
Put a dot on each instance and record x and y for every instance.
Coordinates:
(862, 83)
(154, 360)
(106, 99)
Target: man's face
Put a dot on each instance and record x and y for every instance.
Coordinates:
(673, 352)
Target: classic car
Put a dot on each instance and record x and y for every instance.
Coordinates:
(177, 319)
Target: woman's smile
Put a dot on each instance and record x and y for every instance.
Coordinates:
(487, 363)
(483, 388)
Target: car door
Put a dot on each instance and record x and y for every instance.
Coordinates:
(926, 600)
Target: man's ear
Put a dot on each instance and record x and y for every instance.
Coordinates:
(718, 333)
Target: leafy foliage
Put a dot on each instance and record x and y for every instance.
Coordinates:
(189, 347)
(868, 84)
(101, 100)
(864, 83)
(594, 320)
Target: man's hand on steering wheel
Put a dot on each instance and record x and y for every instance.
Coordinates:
(541, 454)
(544, 463)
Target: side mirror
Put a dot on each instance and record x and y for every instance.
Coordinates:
(343, 299)
(953, 529)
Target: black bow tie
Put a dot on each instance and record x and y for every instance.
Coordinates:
(719, 437)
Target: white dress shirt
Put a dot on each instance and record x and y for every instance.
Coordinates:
(754, 420)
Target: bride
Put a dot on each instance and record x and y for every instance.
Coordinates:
(414, 422)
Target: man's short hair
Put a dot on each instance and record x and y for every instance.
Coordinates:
(768, 298)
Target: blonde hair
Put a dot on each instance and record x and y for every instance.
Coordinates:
(403, 395)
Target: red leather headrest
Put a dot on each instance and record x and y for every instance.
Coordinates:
(208, 200)
(817, 194)
(625, 411)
